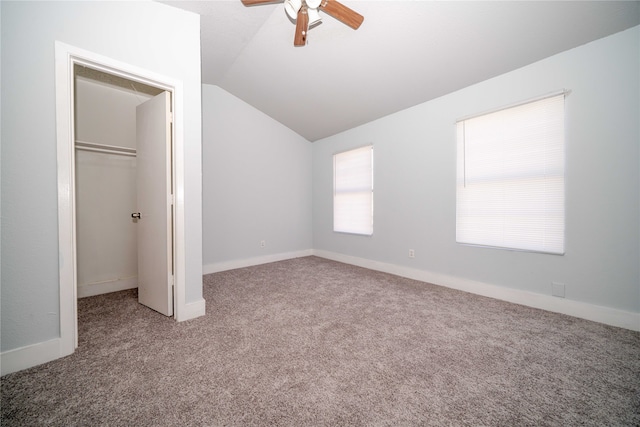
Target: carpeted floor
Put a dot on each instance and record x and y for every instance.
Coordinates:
(312, 342)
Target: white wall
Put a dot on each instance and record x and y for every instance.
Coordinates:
(106, 195)
(148, 35)
(256, 185)
(106, 114)
(415, 175)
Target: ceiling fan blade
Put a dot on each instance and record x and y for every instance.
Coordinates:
(302, 27)
(252, 2)
(342, 13)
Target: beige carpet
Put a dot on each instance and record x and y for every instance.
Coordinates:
(312, 342)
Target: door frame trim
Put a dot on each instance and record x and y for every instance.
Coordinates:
(66, 56)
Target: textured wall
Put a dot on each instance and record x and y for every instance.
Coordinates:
(256, 182)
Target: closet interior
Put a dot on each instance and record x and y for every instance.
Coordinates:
(105, 173)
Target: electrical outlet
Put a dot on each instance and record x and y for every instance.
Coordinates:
(263, 243)
(557, 289)
(412, 253)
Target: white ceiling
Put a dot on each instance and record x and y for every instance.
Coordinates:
(405, 53)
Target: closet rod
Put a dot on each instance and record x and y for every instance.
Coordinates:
(103, 148)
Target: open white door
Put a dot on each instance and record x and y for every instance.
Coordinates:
(155, 243)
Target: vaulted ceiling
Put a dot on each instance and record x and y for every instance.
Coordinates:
(405, 53)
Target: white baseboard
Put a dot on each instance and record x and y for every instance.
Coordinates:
(31, 355)
(241, 263)
(99, 288)
(191, 310)
(596, 313)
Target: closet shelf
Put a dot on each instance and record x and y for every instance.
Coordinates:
(103, 148)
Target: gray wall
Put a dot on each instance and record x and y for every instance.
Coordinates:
(256, 182)
(414, 198)
(149, 35)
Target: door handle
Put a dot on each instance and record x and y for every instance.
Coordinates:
(135, 215)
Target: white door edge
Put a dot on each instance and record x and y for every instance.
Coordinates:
(154, 203)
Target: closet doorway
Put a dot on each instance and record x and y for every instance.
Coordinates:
(123, 188)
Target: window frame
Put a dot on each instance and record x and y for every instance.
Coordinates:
(518, 179)
(369, 190)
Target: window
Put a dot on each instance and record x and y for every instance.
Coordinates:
(353, 191)
(510, 177)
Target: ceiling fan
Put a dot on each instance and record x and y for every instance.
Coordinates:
(306, 14)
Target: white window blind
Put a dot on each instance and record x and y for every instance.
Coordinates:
(353, 191)
(510, 177)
